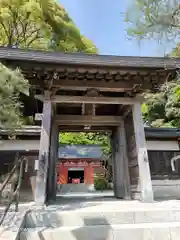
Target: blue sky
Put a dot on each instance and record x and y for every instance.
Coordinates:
(102, 22)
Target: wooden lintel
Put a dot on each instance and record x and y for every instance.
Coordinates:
(96, 100)
(119, 86)
(83, 120)
(80, 129)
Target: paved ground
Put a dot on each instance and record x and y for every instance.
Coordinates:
(13, 221)
(94, 194)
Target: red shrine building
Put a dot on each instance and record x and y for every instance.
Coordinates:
(78, 164)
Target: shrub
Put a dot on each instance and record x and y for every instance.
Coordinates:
(100, 183)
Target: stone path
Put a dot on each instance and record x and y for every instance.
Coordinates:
(13, 221)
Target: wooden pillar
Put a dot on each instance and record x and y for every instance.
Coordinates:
(43, 162)
(112, 140)
(125, 161)
(146, 191)
(118, 165)
(52, 175)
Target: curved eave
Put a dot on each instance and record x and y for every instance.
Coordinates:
(88, 59)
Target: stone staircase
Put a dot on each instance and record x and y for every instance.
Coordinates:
(105, 220)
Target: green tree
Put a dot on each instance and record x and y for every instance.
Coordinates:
(158, 19)
(162, 109)
(12, 83)
(36, 24)
(40, 24)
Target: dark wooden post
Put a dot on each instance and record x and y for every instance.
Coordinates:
(42, 168)
(125, 161)
(118, 165)
(51, 187)
(112, 139)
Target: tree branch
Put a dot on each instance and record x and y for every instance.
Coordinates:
(4, 27)
(33, 39)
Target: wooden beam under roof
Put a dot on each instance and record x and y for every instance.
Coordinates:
(102, 129)
(85, 120)
(81, 85)
(96, 100)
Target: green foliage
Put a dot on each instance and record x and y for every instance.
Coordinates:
(158, 19)
(36, 24)
(176, 51)
(12, 83)
(162, 109)
(87, 138)
(40, 24)
(100, 183)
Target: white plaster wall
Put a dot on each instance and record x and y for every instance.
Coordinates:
(34, 145)
(15, 145)
(166, 189)
(162, 145)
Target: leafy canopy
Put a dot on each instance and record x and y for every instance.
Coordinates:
(40, 24)
(158, 19)
(35, 24)
(162, 109)
(87, 138)
(11, 84)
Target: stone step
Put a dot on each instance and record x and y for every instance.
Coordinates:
(101, 217)
(142, 231)
(74, 188)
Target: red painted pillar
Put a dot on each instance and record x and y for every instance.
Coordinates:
(91, 174)
(88, 174)
(63, 174)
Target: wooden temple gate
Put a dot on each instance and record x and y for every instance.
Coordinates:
(93, 93)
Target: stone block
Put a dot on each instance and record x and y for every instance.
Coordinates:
(175, 215)
(158, 234)
(57, 219)
(128, 234)
(82, 233)
(152, 216)
(165, 191)
(175, 233)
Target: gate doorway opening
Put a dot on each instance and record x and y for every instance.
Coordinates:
(84, 168)
(75, 175)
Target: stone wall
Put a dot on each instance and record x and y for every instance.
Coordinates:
(166, 189)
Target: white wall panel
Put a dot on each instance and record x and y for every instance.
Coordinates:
(162, 145)
(15, 145)
(158, 145)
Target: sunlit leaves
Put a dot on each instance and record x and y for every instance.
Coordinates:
(12, 83)
(39, 24)
(87, 138)
(159, 19)
(163, 109)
